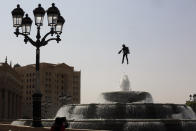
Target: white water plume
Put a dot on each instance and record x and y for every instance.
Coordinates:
(125, 84)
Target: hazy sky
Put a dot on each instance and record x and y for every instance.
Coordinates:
(161, 35)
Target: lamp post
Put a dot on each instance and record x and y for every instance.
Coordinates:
(194, 97)
(55, 21)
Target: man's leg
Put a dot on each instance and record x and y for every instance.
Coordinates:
(127, 59)
(123, 58)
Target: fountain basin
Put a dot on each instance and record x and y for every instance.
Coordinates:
(135, 124)
(126, 97)
(123, 124)
(126, 111)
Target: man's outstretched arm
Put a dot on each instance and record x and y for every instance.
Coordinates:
(119, 52)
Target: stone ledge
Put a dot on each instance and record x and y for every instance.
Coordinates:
(8, 127)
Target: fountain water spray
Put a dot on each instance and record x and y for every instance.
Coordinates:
(125, 83)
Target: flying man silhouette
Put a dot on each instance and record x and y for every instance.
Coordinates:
(125, 51)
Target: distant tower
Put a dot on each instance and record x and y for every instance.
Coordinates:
(6, 60)
(10, 63)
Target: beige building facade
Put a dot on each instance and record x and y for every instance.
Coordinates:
(10, 93)
(59, 85)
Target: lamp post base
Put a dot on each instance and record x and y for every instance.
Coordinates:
(37, 110)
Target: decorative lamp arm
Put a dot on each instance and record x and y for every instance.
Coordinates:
(49, 33)
(27, 38)
(57, 39)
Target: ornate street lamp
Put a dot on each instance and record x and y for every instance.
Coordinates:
(53, 13)
(39, 15)
(56, 22)
(26, 25)
(59, 25)
(17, 15)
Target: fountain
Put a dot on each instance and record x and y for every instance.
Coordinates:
(128, 110)
(125, 110)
